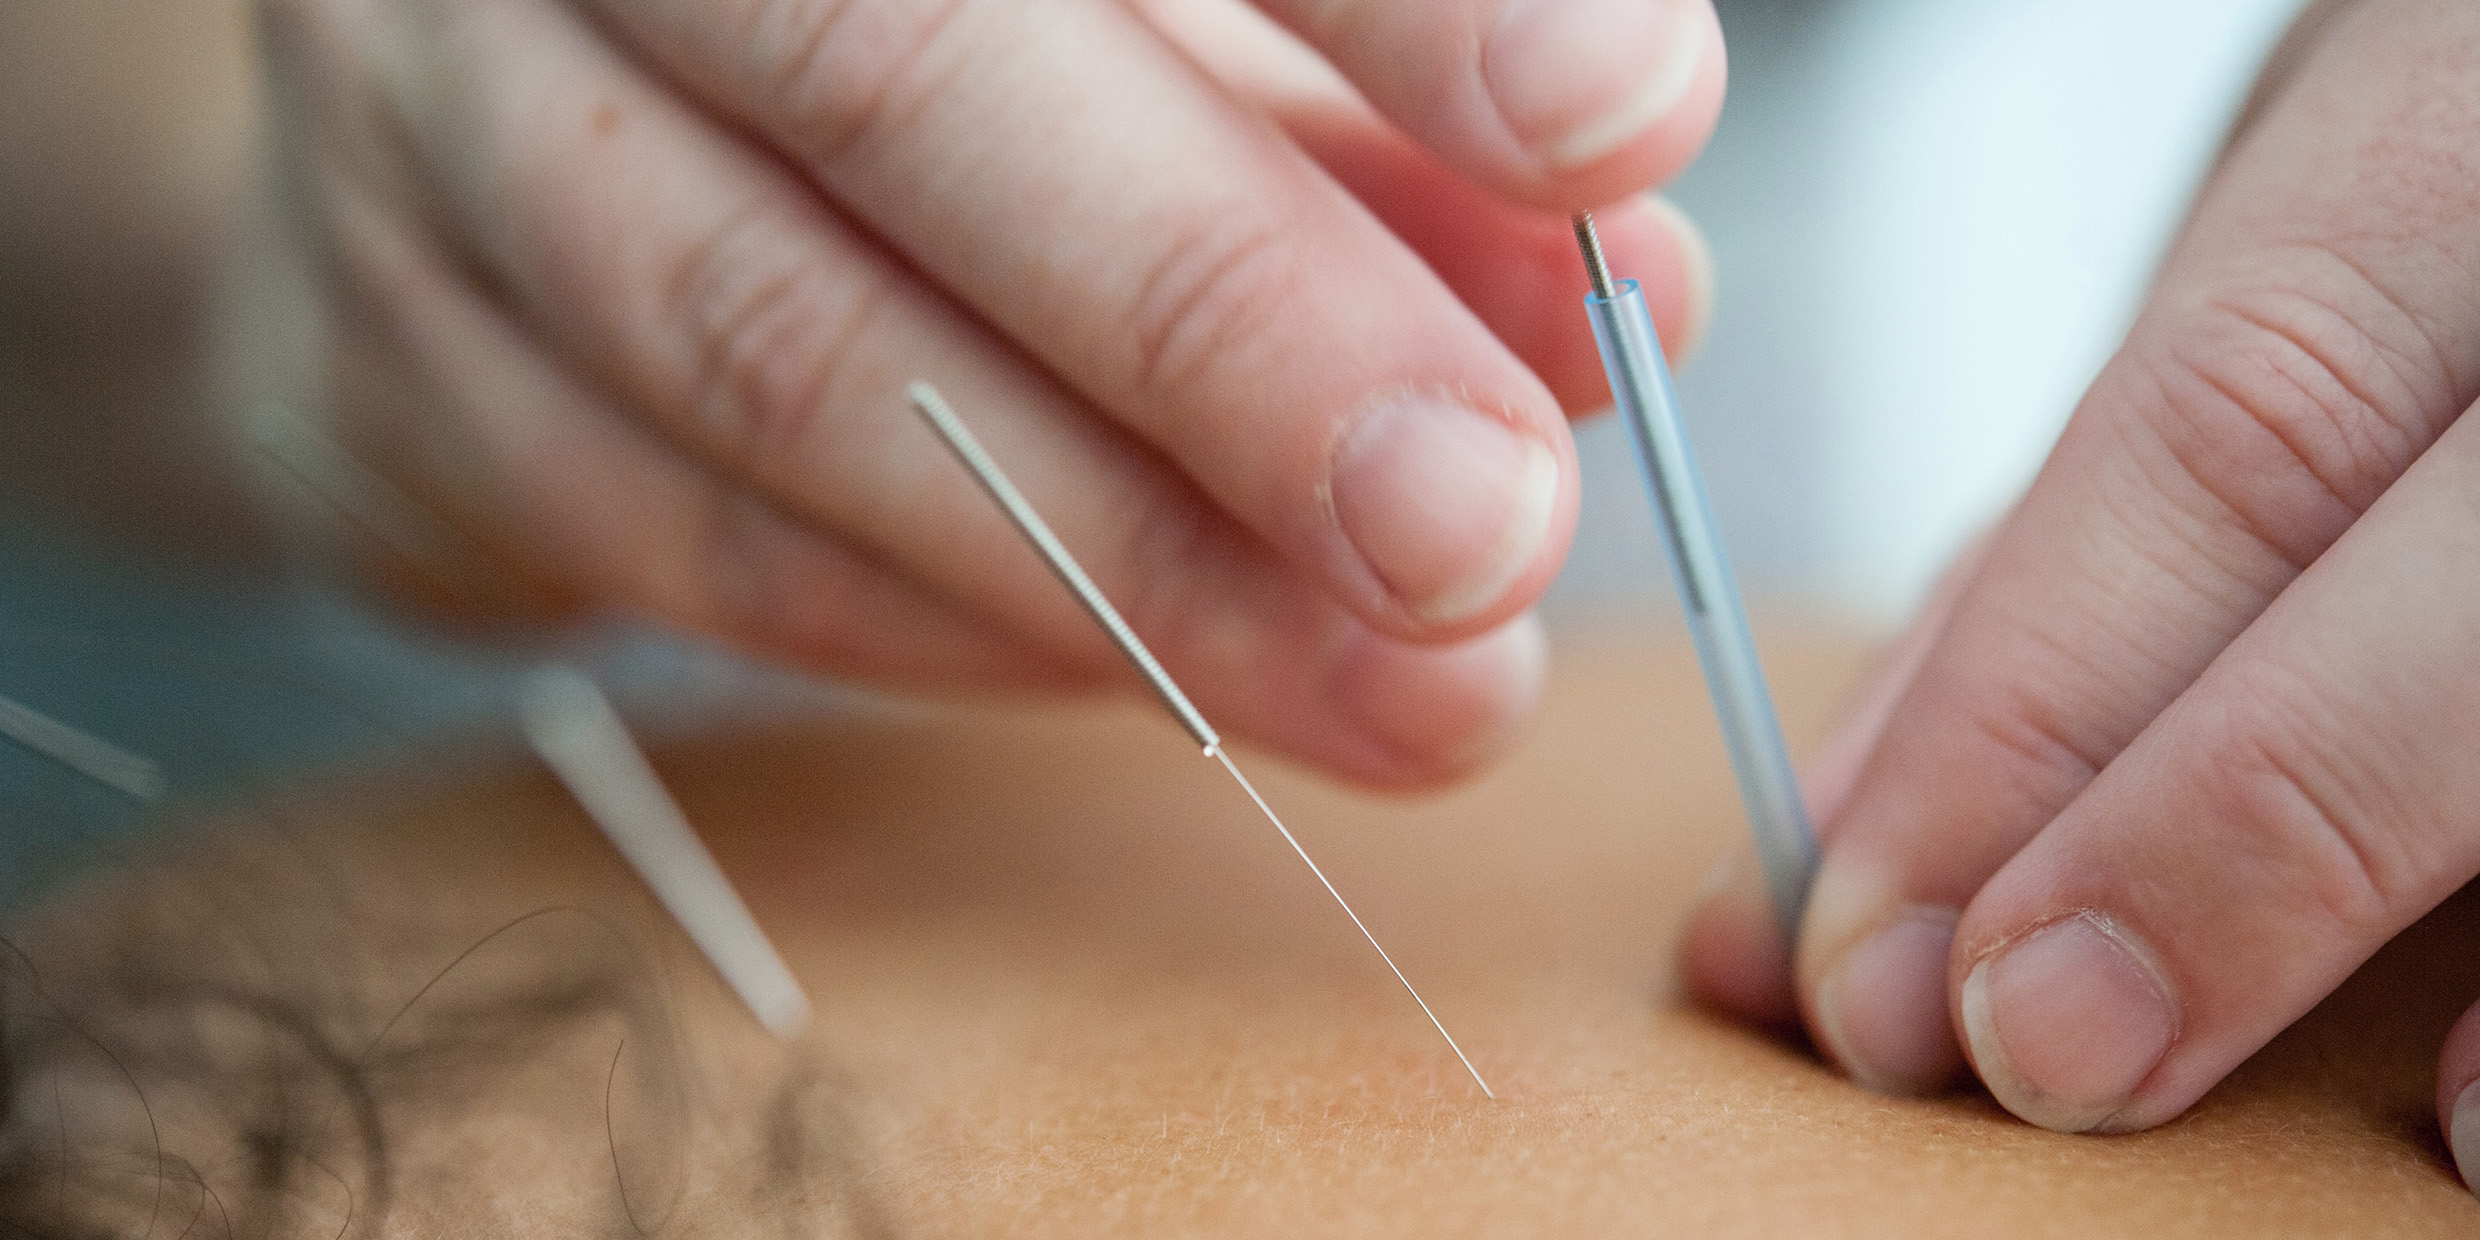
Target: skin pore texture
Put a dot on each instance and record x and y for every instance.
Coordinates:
(1067, 983)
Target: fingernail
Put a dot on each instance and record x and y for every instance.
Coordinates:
(1576, 79)
(2465, 1136)
(1446, 505)
(1444, 710)
(2067, 1022)
(1883, 1012)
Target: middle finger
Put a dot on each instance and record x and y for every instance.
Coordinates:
(1179, 261)
(725, 307)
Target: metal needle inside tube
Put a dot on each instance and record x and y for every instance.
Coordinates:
(580, 737)
(1640, 385)
(933, 408)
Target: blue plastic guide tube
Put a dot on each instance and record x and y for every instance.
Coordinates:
(1640, 385)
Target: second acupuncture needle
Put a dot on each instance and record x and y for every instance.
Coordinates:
(933, 409)
(1640, 387)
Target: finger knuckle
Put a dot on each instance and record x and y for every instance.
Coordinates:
(2034, 725)
(847, 69)
(2293, 410)
(2034, 747)
(771, 328)
(2313, 813)
(1206, 295)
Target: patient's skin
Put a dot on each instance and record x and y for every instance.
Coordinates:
(1067, 984)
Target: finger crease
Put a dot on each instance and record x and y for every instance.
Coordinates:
(821, 72)
(1187, 309)
(2250, 518)
(2327, 366)
(2369, 893)
(2044, 748)
(2383, 448)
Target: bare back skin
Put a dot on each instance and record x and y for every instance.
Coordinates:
(1068, 984)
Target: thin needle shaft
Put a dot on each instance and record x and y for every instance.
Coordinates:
(1289, 838)
(934, 410)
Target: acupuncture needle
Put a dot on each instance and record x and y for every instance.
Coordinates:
(132, 775)
(934, 409)
(572, 725)
(1640, 385)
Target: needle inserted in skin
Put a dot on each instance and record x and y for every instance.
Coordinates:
(580, 737)
(934, 410)
(97, 759)
(1640, 385)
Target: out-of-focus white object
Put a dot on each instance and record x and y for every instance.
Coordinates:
(129, 774)
(572, 725)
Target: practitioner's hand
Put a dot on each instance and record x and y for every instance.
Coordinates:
(2201, 728)
(619, 299)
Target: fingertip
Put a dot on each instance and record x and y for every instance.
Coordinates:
(1459, 516)
(1871, 972)
(1429, 715)
(1881, 1011)
(2458, 1096)
(2463, 1134)
(1605, 96)
(1646, 238)
(2066, 1022)
(1732, 955)
(1516, 265)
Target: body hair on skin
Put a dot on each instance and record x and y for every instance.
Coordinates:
(164, 1077)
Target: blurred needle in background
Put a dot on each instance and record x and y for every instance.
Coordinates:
(97, 759)
(573, 727)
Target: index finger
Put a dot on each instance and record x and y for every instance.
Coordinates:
(1181, 263)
